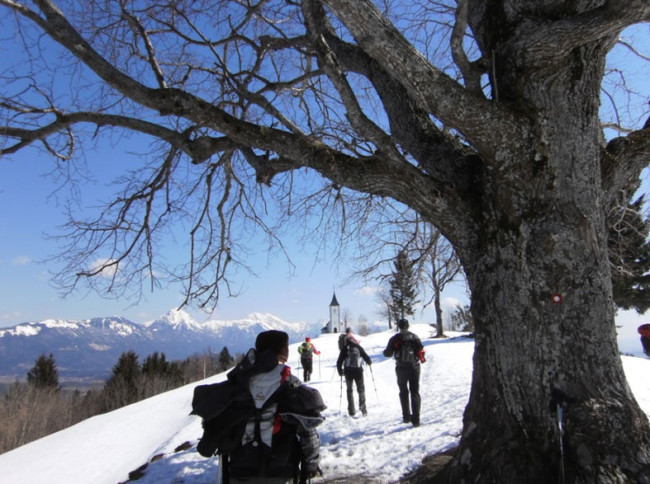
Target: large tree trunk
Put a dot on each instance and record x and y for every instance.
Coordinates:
(540, 328)
(542, 304)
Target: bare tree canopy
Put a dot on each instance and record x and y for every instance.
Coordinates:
(482, 117)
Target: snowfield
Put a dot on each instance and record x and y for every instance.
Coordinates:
(160, 433)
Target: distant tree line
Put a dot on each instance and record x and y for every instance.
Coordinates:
(40, 406)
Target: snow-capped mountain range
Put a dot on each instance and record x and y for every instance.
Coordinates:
(87, 349)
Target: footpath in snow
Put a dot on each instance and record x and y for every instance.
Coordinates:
(378, 447)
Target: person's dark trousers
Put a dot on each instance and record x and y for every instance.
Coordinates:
(645, 342)
(408, 380)
(355, 376)
(307, 365)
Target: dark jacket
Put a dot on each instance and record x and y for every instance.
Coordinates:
(344, 354)
(227, 407)
(399, 341)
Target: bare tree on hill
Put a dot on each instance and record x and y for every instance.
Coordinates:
(435, 263)
(482, 117)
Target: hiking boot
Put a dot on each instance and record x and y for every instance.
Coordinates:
(416, 423)
(364, 413)
(406, 420)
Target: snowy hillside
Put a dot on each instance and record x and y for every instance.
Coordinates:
(104, 449)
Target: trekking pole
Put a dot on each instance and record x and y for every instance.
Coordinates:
(341, 394)
(560, 426)
(558, 400)
(319, 377)
(373, 382)
(220, 470)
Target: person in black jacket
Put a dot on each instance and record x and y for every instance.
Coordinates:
(262, 420)
(408, 351)
(349, 363)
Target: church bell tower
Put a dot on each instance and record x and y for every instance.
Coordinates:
(334, 325)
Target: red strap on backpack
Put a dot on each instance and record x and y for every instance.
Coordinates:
(285, 374)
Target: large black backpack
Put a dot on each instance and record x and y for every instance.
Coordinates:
(256, 458)
(342, 337)
(223, 432)
(353, 357)
(405, 354)
(227, 407)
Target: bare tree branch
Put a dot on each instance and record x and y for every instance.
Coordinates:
(471, 72)
(423, 81)
(574, 31)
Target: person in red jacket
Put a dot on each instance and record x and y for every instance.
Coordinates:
(408, 352)
(644, 331)
(307, 351)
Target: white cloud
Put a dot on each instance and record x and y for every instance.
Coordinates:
(11, 317)
(21, 260)
(451, 303)
(107, 272)
(367, 290)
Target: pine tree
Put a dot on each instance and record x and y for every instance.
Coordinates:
(155, 364)
(225, 359)
(44, 374)
(461, 319)
(402, 287)
(123, 386)
(629, 254)
(159, 375)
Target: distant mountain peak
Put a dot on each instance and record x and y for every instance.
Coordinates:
(90, 347)
(176, 319)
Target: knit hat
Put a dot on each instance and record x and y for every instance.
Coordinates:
(274, 340)
(307, 339)
(403, 324)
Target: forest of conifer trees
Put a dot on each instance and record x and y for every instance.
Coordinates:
(40, 405)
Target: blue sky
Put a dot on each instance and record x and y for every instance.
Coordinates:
(31, 207)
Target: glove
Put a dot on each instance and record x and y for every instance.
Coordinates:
(315, 472)
(421, 356)
(309, 474)
(340, 372)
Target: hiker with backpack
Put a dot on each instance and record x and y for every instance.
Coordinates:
(307, 351)
(347, 336)
(408, 352)
(262, 420)
(349, 363)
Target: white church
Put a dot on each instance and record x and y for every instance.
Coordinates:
(334, 323)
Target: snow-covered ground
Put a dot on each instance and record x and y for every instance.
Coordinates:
(104, 449)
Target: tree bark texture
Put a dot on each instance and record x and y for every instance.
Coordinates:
(541, 295)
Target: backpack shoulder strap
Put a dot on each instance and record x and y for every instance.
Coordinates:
(273, 399)
(407, 339)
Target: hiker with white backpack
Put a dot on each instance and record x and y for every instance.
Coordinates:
(350, 364)
(262, 420)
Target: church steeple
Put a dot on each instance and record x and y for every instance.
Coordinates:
(334, 324)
